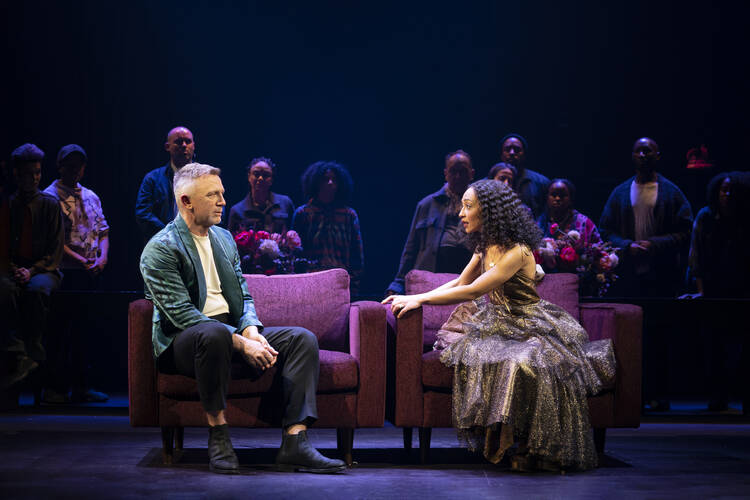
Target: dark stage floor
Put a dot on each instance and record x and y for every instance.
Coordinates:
(92, 452)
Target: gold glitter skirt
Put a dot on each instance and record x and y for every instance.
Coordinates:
(522, 374)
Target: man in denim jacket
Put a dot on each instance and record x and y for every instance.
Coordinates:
(437, 241)
(155, 205)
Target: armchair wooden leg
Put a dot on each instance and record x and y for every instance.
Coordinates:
(600, 435)
(179, 438)
(425, 434)
(407, 438)
(167, 445)
(345, 443)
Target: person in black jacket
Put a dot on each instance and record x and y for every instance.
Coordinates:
(36, 238)
(650, 220)
(718, 268)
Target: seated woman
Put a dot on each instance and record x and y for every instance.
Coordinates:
(262, 209)
(560, 219)
(521, 371)
(328, 228)
(505, 173)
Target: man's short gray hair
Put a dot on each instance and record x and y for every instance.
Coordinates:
(187, 174)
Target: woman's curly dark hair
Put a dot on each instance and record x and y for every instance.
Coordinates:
(740, 191)
(316, 172)
(505, 220)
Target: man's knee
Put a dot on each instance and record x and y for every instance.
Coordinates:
(43, 283)
(214, 336)
(305, 338)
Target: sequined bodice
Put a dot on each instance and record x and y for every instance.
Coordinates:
(519, 290)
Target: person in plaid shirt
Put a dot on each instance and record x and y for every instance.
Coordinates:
(329, 229)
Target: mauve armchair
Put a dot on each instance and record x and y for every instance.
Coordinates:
(423, 384)
(351, 388)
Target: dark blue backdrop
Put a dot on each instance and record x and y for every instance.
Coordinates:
(386, 90)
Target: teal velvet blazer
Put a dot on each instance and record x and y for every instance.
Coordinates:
(174, 281)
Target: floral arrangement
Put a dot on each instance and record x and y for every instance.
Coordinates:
(593, 263)
(267, 253)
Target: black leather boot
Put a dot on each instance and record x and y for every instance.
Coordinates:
(221, 456)
(297, 454)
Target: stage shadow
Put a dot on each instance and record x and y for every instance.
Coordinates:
(255, 460)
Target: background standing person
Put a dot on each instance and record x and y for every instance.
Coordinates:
(505, 173)
(85, 256)
(155, 205)
(437, 241)
(531, 186)
(329, 229)
(262, 209)
(718, 268)
(649, 218)
(560, 217)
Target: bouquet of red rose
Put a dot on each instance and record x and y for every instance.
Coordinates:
(596, 268)
(267, 253)
(567, 253)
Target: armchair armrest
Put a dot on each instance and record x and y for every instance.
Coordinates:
(142, 393)
(367, 332)
(409, 408)
(623, 323)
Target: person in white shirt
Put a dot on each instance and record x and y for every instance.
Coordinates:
(650, 220)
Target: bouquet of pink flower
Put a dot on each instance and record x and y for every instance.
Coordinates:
(267, 253)
(596, 268)
(566, 253)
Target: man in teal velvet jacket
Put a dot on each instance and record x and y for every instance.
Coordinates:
(204, 314)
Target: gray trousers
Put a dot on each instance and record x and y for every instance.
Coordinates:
(204, 352)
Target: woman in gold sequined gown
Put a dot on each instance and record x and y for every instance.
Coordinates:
(523, 367)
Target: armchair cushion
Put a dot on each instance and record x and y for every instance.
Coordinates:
(561, 289)
(434, 373)
(317, 301)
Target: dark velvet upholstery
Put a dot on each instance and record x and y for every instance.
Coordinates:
(351, 389)
(423, 384)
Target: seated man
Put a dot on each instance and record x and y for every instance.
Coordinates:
(36, 237)
(204, 313)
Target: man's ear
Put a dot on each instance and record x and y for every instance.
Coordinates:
(166, 146)
(185, 200)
